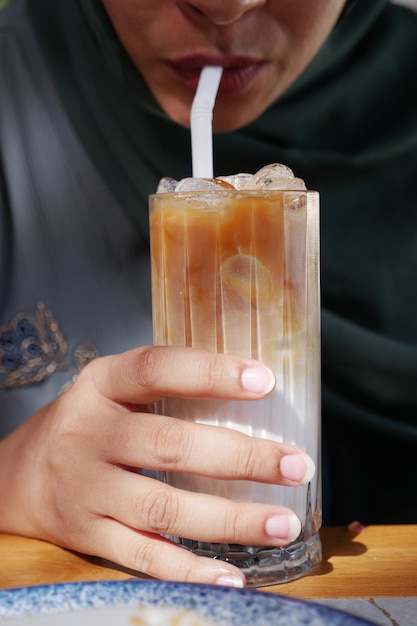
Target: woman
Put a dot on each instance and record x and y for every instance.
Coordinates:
(95, 111)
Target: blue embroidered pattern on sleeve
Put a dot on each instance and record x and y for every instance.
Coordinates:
(32, 347)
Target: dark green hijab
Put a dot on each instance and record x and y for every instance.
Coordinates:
(348, 126)
(122, 125)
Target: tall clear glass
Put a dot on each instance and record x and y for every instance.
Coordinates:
(238, 272)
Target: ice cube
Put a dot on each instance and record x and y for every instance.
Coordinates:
(166, 185)
(270, 174)
(239, 181)
(246, 279)
(274, 176)
(202, 184)
(296, 184)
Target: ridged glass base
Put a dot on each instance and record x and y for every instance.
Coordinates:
(264, 565)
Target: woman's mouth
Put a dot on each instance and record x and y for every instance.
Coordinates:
(238, 71)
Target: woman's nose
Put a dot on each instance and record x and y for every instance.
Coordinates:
(220, 12)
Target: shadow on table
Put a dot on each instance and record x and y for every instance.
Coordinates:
(93, 560)
(338, 542)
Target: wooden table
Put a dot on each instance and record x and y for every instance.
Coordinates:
(379, 562)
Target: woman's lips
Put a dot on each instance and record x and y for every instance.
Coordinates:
(238, 71)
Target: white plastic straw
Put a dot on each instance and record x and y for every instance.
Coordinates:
(201, 121)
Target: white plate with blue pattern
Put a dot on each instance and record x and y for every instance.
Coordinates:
(158, 603)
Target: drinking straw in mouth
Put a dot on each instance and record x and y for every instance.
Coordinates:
(201, 121)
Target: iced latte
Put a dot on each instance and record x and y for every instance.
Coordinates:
(235, 269)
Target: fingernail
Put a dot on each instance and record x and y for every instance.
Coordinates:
(286, 527)
(258, 379)
(297, 467)
(230, 581)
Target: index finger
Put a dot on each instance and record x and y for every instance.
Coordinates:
(147, 374)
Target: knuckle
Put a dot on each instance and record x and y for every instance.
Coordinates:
(160, 510)
(144, 555)
(247, 462)
(215, 371)
(147, 367)
(210, 373)
(234, 526)
(169, 443)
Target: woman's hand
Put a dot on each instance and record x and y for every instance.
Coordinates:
(71, 473)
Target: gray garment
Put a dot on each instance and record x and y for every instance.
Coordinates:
(64, 241)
